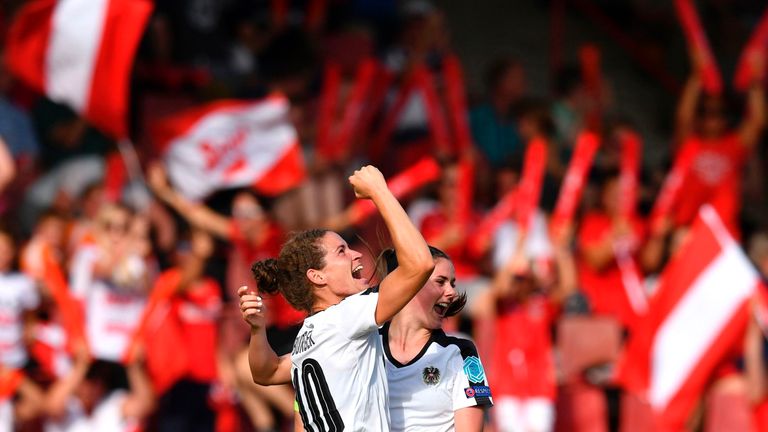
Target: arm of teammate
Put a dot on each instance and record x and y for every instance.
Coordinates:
(469, 419)
(752, 126)
(196, 214)
(415, 262)
(266, 367)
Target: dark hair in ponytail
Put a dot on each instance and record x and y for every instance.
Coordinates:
(287, 273)
(387, 263)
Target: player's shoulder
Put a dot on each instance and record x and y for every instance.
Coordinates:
(463, 346)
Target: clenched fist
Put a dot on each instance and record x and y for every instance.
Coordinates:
(251, 307)
(367, 181)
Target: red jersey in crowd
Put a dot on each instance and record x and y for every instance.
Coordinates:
(198, 309)
(523, 365)
(604, 287)
(716, 167)
(244, 254)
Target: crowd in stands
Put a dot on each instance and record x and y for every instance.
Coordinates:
(538, 299)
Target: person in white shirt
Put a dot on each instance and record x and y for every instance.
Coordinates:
(18, 300)
(436, 382)
(336, 364)
(91, 397)
(110, 276)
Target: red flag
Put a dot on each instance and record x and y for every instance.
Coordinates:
(697, 316)
(667, 196)
(587, 144)
(230, 144)
(529, 189)
(631, 155)
(80, 52)
(757, 43)
(457, 102)
(332, 143)
(425, 171)
(697, 39)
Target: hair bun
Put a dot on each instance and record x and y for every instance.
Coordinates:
(266, 274)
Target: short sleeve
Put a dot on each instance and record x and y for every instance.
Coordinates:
(470, 385)
(356, 315)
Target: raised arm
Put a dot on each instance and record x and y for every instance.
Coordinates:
(685, 116)
(196, 214)
(141, 399)
(754, 121)
(266, 367)
(415, 261)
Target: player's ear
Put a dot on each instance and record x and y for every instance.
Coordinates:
(317, 277)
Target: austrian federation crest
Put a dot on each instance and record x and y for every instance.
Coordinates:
(431, 375)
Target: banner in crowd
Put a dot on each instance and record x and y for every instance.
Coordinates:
(79, 53)
(697, 40)
(698, 315)
(229, 144)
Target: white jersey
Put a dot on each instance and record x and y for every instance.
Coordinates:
(107, 416)
(338, 372)
(112, 314)
(445, 376)
(17, 294)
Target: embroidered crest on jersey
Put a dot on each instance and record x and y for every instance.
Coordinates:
(473, 369)
(431, 375)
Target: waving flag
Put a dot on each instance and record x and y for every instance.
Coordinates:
(79, 52)
(698, 315)
(231, 144)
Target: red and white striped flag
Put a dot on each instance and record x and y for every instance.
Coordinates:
(698, 315)
(80, 52)
(231, 144)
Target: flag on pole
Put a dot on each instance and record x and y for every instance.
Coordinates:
(79, 53)
(231, 144)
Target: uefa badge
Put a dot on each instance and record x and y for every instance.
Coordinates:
(473, 369)
(431, 375)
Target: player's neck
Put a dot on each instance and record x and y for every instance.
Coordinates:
(407, 337)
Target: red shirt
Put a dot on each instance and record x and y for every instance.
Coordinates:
(432, 227)
(523, 365)
(604, 287)
(244, 254)
(199, 310)
(717, 167)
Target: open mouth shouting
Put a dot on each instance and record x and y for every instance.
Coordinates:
(441, 308)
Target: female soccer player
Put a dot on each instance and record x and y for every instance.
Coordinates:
(335, 364)
(436, 382)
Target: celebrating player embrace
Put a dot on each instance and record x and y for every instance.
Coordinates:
(336, 365)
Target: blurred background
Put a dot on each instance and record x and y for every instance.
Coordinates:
(559, 151)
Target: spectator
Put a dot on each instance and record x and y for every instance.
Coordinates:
(494, 128)
(196, 304)
(92, 397)
(719, 152)
(526, 303)
(111, 277)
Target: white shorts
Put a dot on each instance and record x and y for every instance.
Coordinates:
(523, 415)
